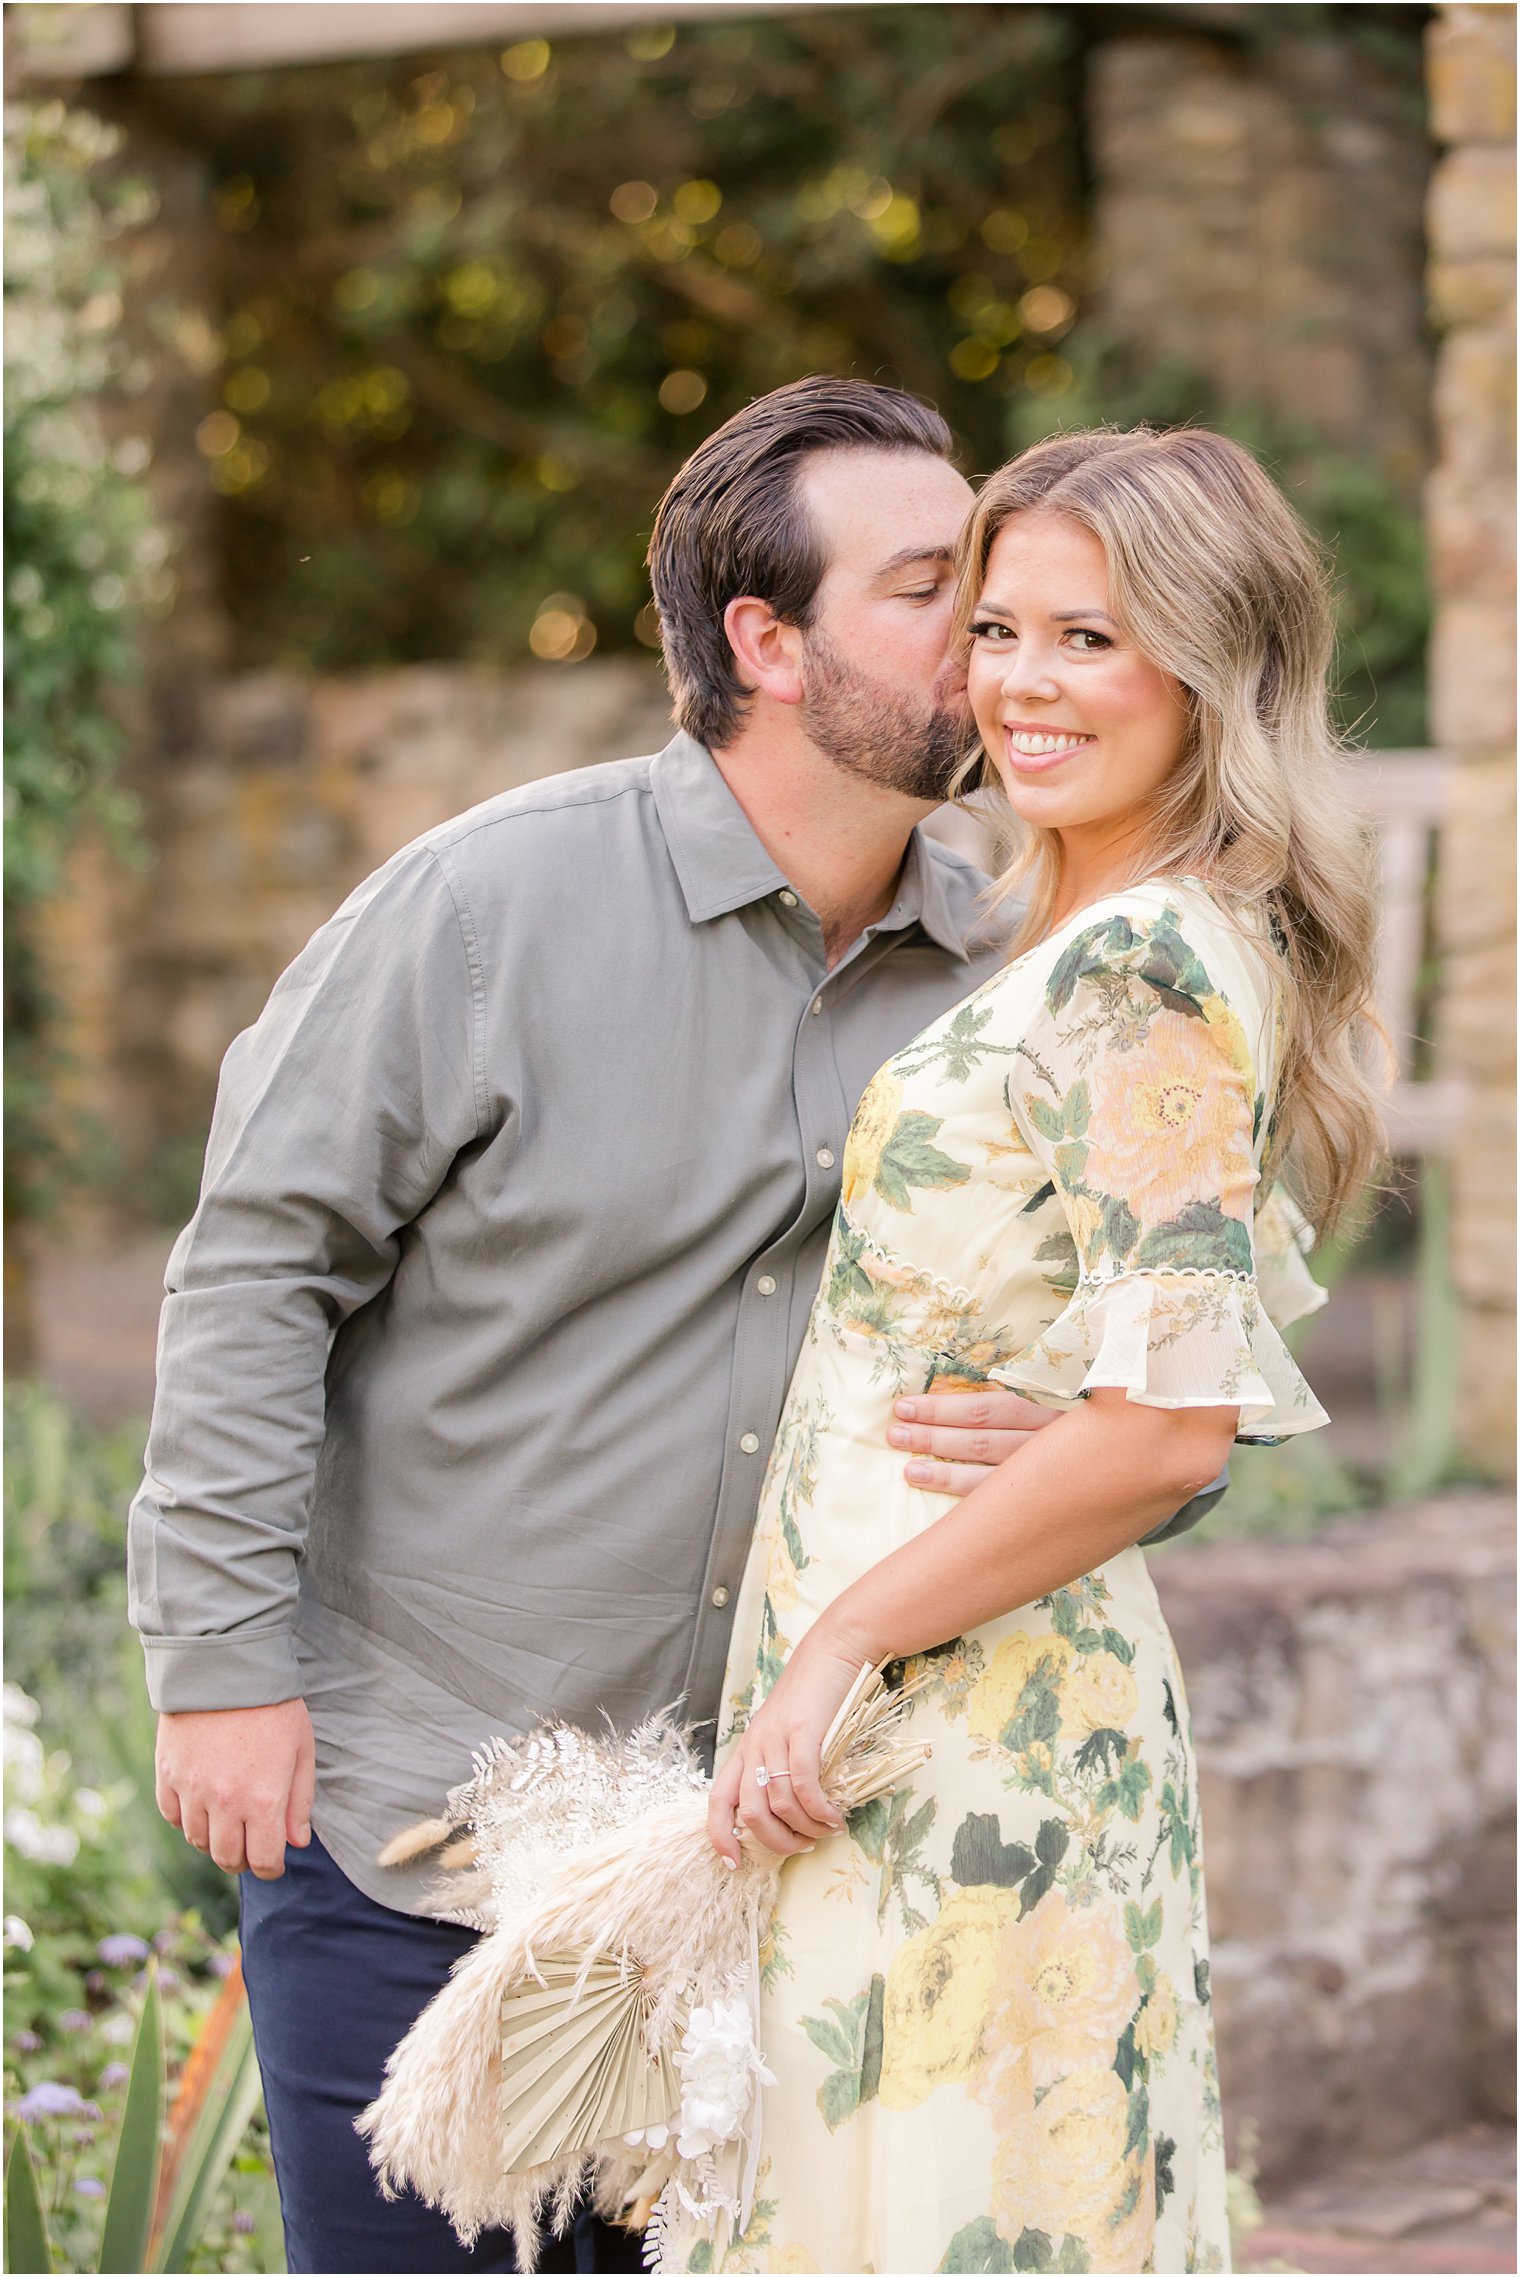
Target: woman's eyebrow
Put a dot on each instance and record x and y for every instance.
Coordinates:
(998, 608)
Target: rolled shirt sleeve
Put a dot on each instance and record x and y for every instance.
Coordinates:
(338, 1117)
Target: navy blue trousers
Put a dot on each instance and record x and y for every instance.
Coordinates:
(334, 1981)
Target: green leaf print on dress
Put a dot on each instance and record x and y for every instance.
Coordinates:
(957, 1048)
(888, 1151)
(892, 1837)
(851, 2039)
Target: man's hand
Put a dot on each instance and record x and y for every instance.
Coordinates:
(956, 1438)
(238, 1783)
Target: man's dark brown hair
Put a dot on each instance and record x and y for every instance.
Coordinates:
(732, 523)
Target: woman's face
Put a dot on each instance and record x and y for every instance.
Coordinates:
(1082, 728)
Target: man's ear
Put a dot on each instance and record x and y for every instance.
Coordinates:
(767, 652)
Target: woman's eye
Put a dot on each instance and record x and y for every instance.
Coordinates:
(988, 628)
(1098, 640)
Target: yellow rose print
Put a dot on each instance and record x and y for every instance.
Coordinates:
(780, 1573)
(875, 1121)
(1231, 1034)
(1063, 2169)
(1102, 1695)
(1066, 1991)
(995, 1699)
(939, 1988)
(1156, 2027)
(1175, 1114)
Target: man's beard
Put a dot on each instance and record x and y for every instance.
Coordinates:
(883, 736)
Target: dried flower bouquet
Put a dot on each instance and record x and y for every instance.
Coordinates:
(603, 2030)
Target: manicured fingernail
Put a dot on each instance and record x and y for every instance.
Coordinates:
(731, 1863)
(907, 1409)
(808, 1848)
(918, 1474)
(897, 1436)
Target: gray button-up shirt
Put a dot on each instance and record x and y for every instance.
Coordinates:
(515, 1204)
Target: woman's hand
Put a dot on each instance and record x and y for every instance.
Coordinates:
(788, 1811)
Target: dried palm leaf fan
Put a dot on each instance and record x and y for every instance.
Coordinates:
(603, 2029)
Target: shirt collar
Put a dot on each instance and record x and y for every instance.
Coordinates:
(722, 866)
(719, 861)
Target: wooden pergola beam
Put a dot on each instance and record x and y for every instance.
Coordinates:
(169, 38)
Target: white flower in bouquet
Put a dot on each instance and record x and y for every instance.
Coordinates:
(720, 2067)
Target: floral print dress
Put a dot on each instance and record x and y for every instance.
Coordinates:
(987, 2008)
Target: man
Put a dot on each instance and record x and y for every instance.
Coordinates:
(515, 1203)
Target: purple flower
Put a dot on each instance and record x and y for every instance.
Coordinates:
(115, 2075)
(88, 2187)
(50, 2099)
(74, 2020)
(244, 2224)
(96, 1982)
(169, 1980)
(222, 1964)
(122, 1949)
(26, 2043)
(165, 1941)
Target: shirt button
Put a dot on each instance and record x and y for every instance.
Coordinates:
(720, 1597)
(750, 1443)
(816, 1006)
(824, 1158)
(766, 1285)
(786, 899)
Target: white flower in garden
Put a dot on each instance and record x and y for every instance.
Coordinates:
(20, 1707)
(24, 1763)
(117, 2030)
(720, 2067)
(91, 1805)
(17, 1935)
(44, 1845)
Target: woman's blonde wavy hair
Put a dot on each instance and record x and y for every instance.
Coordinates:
(1218, 582)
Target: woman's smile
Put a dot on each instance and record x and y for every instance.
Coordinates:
(1034, 750)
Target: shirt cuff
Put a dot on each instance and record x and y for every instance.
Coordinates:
(254, 1668)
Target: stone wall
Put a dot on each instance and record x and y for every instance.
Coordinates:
(1353, 1706)
(266, 798)
(1258, 218)
(1471, 516)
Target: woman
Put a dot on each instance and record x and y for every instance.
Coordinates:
(987, 2011)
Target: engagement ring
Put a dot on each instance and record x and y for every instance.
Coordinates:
(763, 1777)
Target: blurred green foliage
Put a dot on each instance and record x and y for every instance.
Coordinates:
(94, 1879)
(481, 305)
(69, 1648)
(82, 550)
